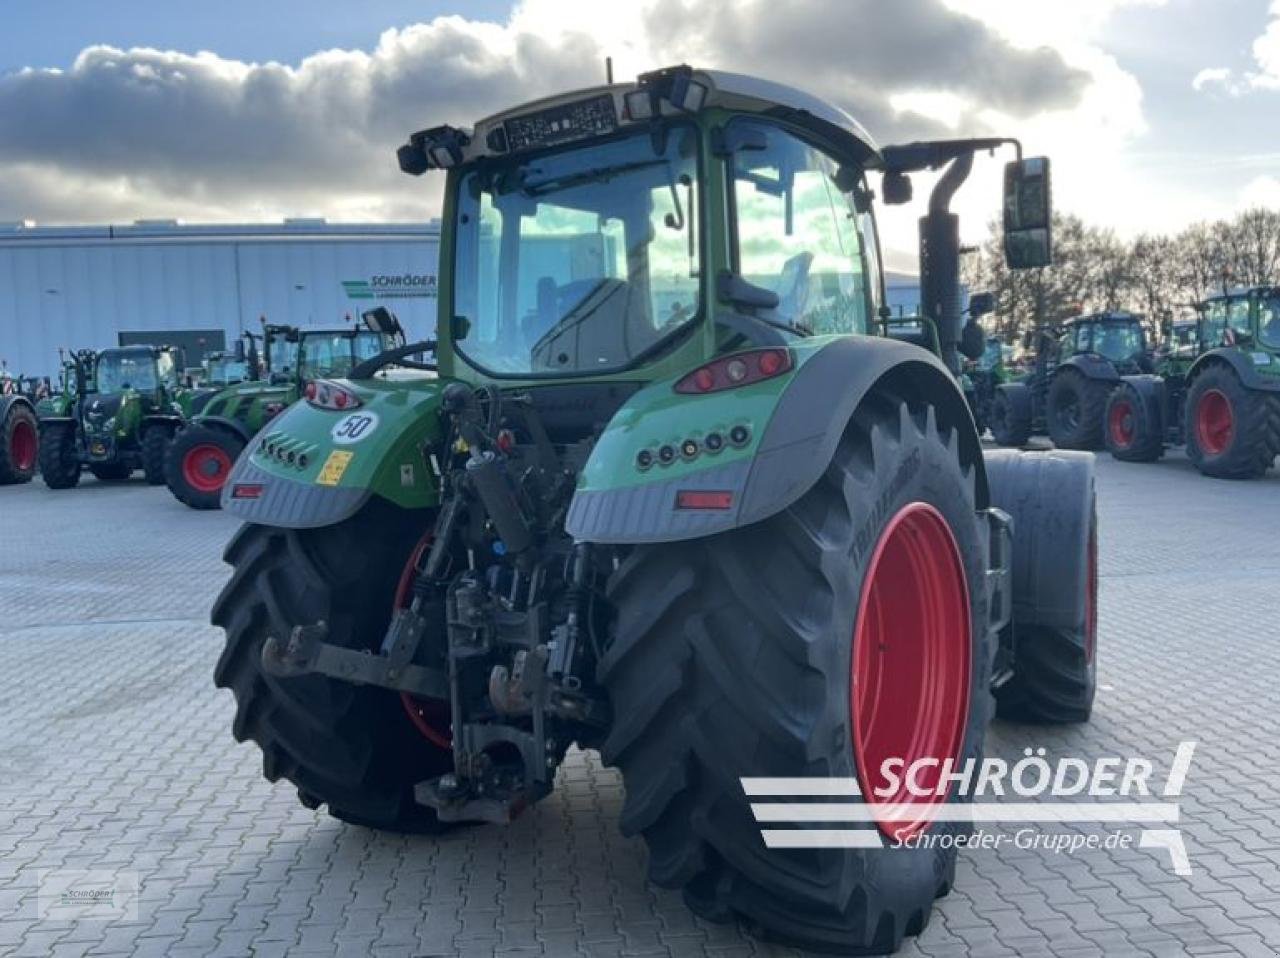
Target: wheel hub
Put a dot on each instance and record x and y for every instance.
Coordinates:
(205, 467)
(1121, 424)
(23, 447)
(912, 662)
(1215, 422)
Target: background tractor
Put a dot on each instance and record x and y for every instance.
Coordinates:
(201, 457)
(1221, 397)
(666, 491)
(19, 430)
(985, 375)
(121, 416)
(1077, 364)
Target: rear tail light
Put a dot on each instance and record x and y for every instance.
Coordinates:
(704, 499)
(740, 369)
(327, 395)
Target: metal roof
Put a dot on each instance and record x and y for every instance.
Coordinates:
(26, 232)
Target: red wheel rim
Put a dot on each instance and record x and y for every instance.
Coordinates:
(430, 717)
(205, 467)
(1120, 422)
(912, 660)
(1215, 423)
(23, 446)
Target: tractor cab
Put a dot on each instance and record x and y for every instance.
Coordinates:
(1247, 318)
(1117, 337)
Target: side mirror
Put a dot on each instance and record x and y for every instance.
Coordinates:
(238, 353)
(897, 188)
(973, 340)
(981, 304)
(1028, 214)
(732, 288)
(381, 320)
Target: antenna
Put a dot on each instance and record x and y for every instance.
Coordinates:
(608, 70)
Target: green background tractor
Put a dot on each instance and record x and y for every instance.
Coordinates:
(201, 457)
(1221, 399)
(19, 430)
(122, 415)
(666, 491)
(1077, 365)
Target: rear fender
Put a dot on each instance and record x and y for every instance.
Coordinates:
(9, 402)
(1091, 366)
(233, 426)
(1151, 393)
(1248, 365)
(795, 423)
(315, 467)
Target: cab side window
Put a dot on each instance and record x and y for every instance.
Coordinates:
(798, 234)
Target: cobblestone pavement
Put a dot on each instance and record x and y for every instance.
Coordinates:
(116, 754)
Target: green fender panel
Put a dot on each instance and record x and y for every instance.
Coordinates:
(795, 423)
(315, 467)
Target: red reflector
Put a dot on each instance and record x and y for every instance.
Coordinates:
(700, 499)
(247, 490)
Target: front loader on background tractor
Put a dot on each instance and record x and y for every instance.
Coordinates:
(1221, 399)
(201, 457)
(125, 409)
(1077, 365)
(669, 494)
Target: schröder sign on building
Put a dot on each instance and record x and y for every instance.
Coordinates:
(199, 286)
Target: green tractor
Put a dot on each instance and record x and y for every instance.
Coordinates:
(984, 376)
(666, 491)
(19, 429)
(121, 415)
(1077, 365)
(1220, 397)
(224, 422)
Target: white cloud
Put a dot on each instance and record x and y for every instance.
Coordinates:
(1215, 78)
(1266, 52)
(1261, 191)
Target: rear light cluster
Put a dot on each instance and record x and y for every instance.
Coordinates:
(740, 369)
(327, 395)
(288, 452)
(691, 448)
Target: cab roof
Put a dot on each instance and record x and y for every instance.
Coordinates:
(732, 91)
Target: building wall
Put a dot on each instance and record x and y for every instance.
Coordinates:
(82, 287)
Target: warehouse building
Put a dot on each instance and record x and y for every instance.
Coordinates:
(199, 286)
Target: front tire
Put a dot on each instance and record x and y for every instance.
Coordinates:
(350, 747)
(155, 445)
(1076, 410)
(197, 464)
(59, 460)
(1232, 431)
(733, 658)
(19, 445)
(1009, 427)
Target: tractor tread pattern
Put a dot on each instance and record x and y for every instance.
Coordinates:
(1091, 397)
(350, 747)
(1257, 420)
(716, 667)
(59, 460)
(10, 474)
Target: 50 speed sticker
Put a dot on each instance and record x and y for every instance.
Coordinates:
(354, 427)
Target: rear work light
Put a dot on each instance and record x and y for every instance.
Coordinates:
(326, 395)
(740, 369)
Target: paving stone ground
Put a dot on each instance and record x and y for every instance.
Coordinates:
(116, 755)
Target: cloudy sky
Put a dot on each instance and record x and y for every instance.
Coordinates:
(1157, 113)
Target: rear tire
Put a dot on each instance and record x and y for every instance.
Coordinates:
(1131, 436)
(350, 747)
(732, 657)
(19, 445)
(111, 472)
(1008, 427)
(155, 444)
(1233, 432)
(197, 464)
(1076, 410)
(1051, 497)
(59, 461)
